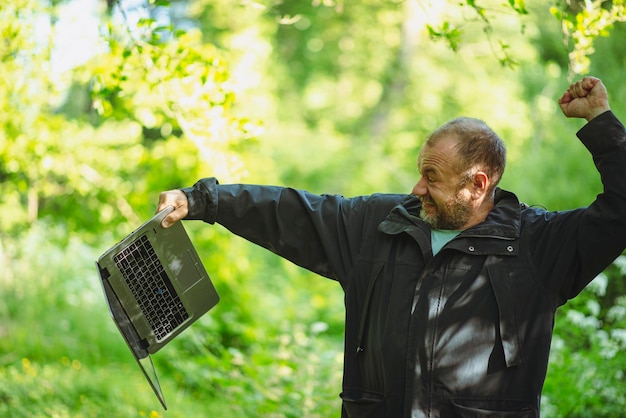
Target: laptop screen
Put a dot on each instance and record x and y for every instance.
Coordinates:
(137, 347)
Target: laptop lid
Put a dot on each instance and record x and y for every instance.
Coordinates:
(133, 341)
(155, 287)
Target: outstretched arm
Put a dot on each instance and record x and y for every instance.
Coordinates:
(586, 99)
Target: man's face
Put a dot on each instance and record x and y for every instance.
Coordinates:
(446, 202)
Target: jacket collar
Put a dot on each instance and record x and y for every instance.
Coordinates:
(502, 222)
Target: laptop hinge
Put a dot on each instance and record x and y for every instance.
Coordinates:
(104, 272)
(144, 343)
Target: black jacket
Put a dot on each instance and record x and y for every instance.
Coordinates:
(464, 333)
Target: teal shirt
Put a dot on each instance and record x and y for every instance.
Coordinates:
(440, 237)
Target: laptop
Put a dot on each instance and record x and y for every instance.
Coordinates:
(155, 286)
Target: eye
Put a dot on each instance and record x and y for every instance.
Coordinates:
(428, 174)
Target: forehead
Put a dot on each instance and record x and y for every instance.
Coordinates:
(440, 155)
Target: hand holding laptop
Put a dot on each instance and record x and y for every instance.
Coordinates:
(178, 200)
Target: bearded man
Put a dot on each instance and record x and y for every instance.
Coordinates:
(450, 291)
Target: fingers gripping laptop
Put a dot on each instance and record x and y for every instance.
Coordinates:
(155, 286)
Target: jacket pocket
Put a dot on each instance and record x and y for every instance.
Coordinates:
(363, 404)
(472, 408)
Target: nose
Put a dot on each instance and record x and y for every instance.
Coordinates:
(420, 188)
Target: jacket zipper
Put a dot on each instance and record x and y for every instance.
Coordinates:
(364, 313)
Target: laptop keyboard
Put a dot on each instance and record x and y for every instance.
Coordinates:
(149, 284)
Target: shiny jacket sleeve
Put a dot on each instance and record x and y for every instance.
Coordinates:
(572, 247)
(321, 233)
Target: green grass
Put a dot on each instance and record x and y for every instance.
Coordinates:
(69, 388)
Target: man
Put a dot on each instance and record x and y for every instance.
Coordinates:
(450, 292)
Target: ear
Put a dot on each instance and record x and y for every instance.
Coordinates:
(480, 184)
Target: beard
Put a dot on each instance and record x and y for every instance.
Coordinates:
(451, 214)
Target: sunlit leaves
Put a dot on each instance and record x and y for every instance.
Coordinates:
(26, 95)
(447, 32)
(518, 6)
(160, 79)
(181, 83)
(584, 21)
(454, 28)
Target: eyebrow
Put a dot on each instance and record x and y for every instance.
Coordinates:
(428, 171)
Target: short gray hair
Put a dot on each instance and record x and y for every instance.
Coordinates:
(477, 144)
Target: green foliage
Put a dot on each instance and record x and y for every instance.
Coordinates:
(583, 22)
(277, 372)
(22, 111)
(586, 361)
(162, 112)
(453, 33)
(448, 32)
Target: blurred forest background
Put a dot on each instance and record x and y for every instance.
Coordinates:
(103, 104)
